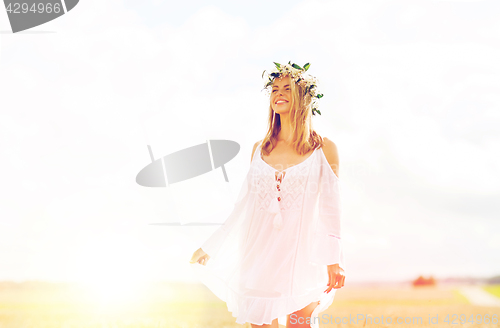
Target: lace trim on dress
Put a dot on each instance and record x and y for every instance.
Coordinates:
(282, 192)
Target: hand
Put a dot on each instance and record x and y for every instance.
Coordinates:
(336, 277)
(200, 256)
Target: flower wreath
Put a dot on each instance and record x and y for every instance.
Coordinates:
(297, 74)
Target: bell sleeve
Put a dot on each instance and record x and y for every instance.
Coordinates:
(213, 244)
(327, 244)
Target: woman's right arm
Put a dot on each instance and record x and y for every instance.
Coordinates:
(214, 242)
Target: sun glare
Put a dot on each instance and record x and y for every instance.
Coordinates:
(114, 294)
(112, 275)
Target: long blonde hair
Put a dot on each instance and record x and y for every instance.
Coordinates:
(304, 138)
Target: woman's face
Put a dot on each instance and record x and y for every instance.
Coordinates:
(281, 95)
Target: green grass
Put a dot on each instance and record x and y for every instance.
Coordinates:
(493, 289)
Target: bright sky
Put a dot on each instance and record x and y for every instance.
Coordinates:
(412, 100)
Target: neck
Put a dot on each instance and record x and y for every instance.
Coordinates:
(285, 134)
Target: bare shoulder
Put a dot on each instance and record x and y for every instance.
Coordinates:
(253, 150)
(331, 154)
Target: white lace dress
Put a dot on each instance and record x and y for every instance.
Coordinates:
(269, 259)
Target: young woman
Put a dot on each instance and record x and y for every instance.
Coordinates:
(278, 257)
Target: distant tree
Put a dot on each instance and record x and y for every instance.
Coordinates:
(421, 281)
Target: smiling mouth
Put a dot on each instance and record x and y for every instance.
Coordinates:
(281, 102)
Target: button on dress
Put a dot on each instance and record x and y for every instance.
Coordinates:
(269, 258)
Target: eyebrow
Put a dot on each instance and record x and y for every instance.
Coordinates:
(286, 85)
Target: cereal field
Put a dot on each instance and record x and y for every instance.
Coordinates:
(186, 305)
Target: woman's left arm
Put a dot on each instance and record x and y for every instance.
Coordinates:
(336, 274)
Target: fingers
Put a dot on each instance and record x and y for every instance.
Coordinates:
(196, 258)
(336, 281)
(330, 284)
(203, 260)
(339, 281)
